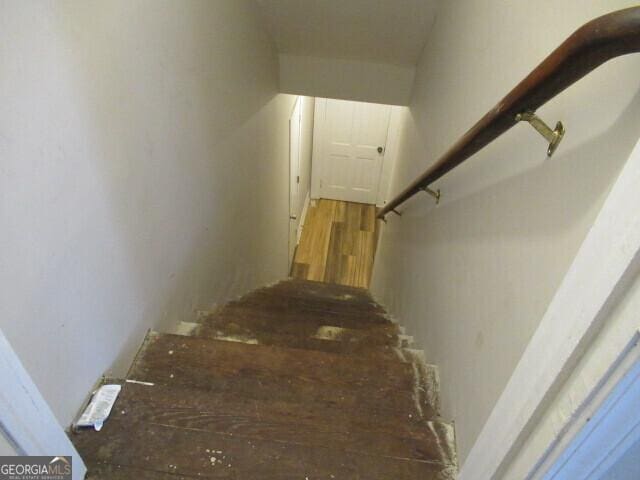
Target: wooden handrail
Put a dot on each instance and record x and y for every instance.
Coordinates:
(594, 43)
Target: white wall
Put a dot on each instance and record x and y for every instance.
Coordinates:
(346, 79)
(144, 173)
(472, 278)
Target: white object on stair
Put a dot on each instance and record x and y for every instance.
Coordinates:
(100, 407)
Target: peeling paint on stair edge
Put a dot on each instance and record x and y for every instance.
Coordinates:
(426, 386)
(450, 472)
(447, 447)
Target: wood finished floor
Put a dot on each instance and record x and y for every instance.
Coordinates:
(338, 243)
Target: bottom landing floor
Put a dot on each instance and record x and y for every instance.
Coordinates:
(338, 243)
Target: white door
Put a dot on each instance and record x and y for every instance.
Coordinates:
(351, 149)
(295, 129)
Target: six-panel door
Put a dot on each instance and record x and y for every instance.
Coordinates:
(352, 138)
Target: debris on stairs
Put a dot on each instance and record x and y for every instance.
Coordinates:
(299, 380)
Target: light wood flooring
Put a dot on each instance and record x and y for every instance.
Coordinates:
(338, 243)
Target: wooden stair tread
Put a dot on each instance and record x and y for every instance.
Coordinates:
(326, 339)
(373, 418)
(259, 370)
(229, 359)
(274, 316)
(292, 318)
(235, 324)
(203, 454)
(353, 431)
(343, 303)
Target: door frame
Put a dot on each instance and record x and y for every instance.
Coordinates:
(26, 421)
(318, 136)
(294, 170)
(604, 428)
(589, 292)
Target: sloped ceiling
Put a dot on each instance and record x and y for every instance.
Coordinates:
(379, 31)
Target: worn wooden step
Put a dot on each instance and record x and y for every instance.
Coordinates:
(325, 339)
(227, 359)
(248, 323)
(343, 303)
(322, 290)
(269, 319)
(203, 454)
(238, 416)
(370, 419)
(289, 374)
(286, 314)
(270, 301)
(374, 337)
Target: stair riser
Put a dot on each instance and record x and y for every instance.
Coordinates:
(376, 348)
(292, 319)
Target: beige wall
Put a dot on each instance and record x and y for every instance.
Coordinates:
(144, 174)
(472, 278)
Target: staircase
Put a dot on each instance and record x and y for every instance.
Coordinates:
(299, 380)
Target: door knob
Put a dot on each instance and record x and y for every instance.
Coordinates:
(293, 217)
(380, 149)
